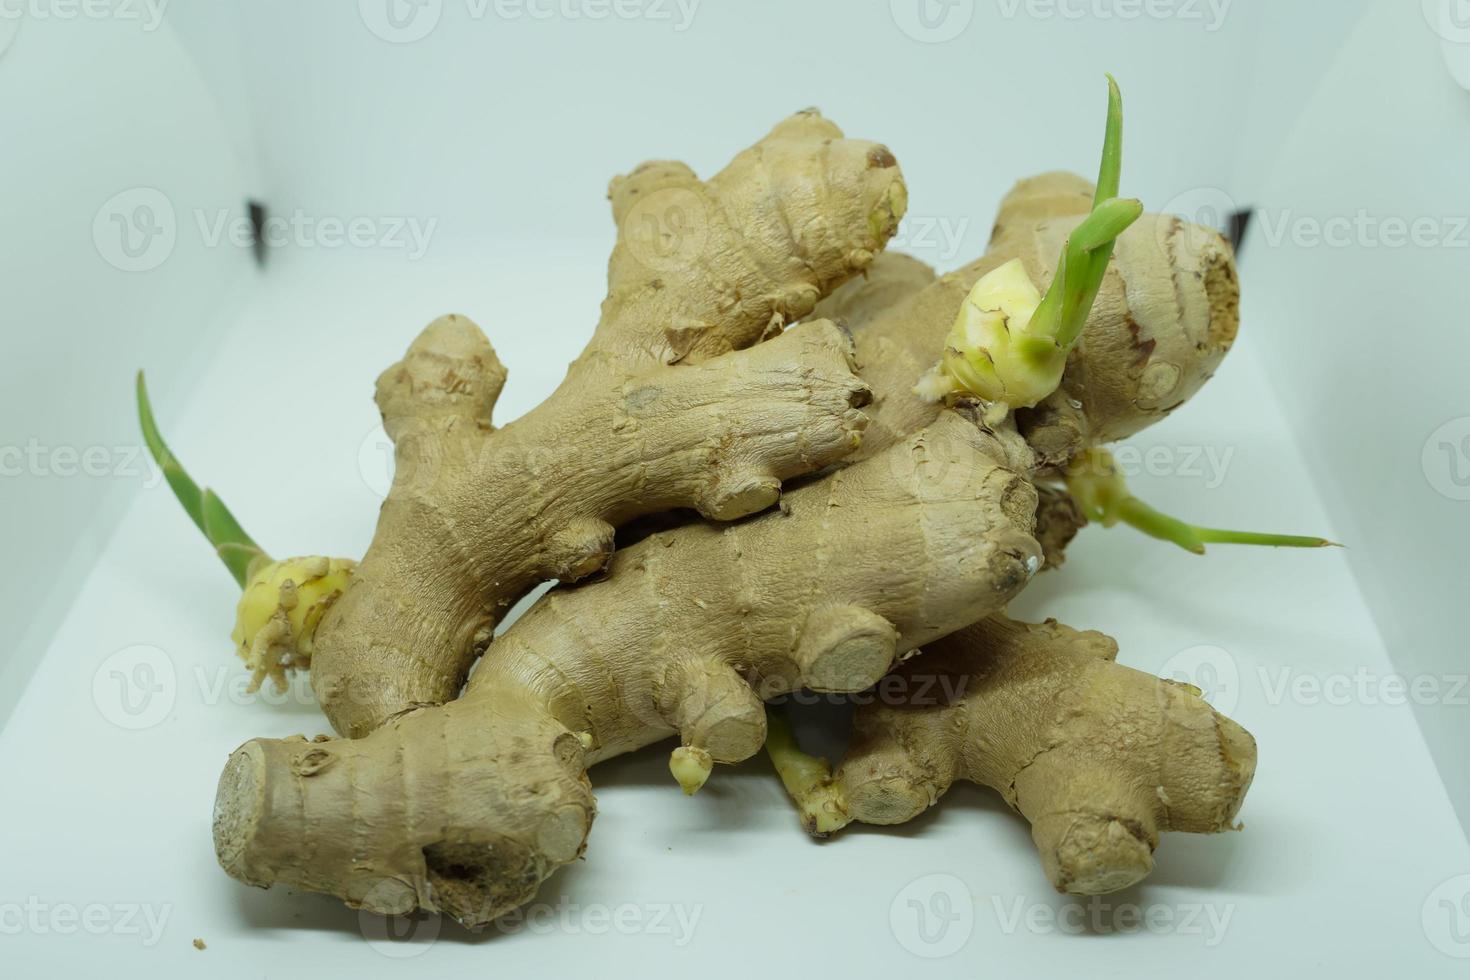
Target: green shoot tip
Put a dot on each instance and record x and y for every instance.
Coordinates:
(234, 547)
(1100, 490)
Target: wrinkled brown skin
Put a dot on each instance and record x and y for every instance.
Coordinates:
(1100, 758)
(666, 408)
(465, 808)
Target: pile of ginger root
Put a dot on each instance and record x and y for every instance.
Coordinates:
(786, 460)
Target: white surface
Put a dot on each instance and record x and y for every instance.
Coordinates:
(74, 156)
(1451, 20)
(1348, 830)
(504, 131)
(1381, 145)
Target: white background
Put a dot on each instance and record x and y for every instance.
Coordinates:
(498, 131)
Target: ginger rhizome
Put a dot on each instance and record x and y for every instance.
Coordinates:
(686, 634)
(675, 403)
(1100, 758)
(465, 808)
(900, 554)
(1046, 706)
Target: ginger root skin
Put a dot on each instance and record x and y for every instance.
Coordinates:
(670, 406)
(1100, 758)
(464, 808)
(891, 280)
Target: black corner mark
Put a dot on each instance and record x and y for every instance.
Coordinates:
(257, 231)
(1240, 222)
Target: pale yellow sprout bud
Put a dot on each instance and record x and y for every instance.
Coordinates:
(691, 766)
(990, 353)
(279, 610)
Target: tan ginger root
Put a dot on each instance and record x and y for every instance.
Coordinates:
(465, 808)
(893, 278)
(1100, 758)
(669, 406)
(897, 318)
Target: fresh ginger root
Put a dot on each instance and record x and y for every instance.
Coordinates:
(673, 404)
(692, 627)
(686, 634)
(469, 527)
(466, 807)
(1100, 758)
